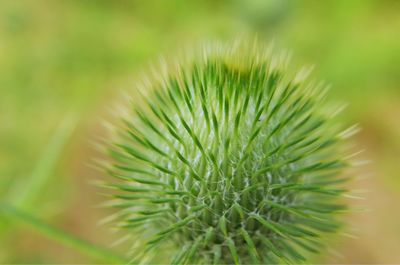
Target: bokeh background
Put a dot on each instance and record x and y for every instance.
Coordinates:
(63, 64)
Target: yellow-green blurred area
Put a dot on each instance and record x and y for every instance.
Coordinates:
(64, 64)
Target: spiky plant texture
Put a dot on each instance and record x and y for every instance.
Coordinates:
(228, 159)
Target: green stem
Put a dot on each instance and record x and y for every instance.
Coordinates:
(85, 247)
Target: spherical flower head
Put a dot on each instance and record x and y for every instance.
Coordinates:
(228, 159)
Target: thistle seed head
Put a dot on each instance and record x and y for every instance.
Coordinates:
(229, 160)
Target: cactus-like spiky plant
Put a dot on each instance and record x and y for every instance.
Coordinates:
(228, 159)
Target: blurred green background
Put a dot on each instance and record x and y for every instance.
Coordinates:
(63, 65)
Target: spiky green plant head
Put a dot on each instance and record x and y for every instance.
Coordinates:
(228, 159)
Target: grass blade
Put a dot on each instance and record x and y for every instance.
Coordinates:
(30, 188)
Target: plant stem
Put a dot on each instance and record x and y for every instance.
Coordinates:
(85, 247)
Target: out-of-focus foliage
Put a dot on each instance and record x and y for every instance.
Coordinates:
(61, 59)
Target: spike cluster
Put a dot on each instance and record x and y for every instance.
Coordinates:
(229, 161)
